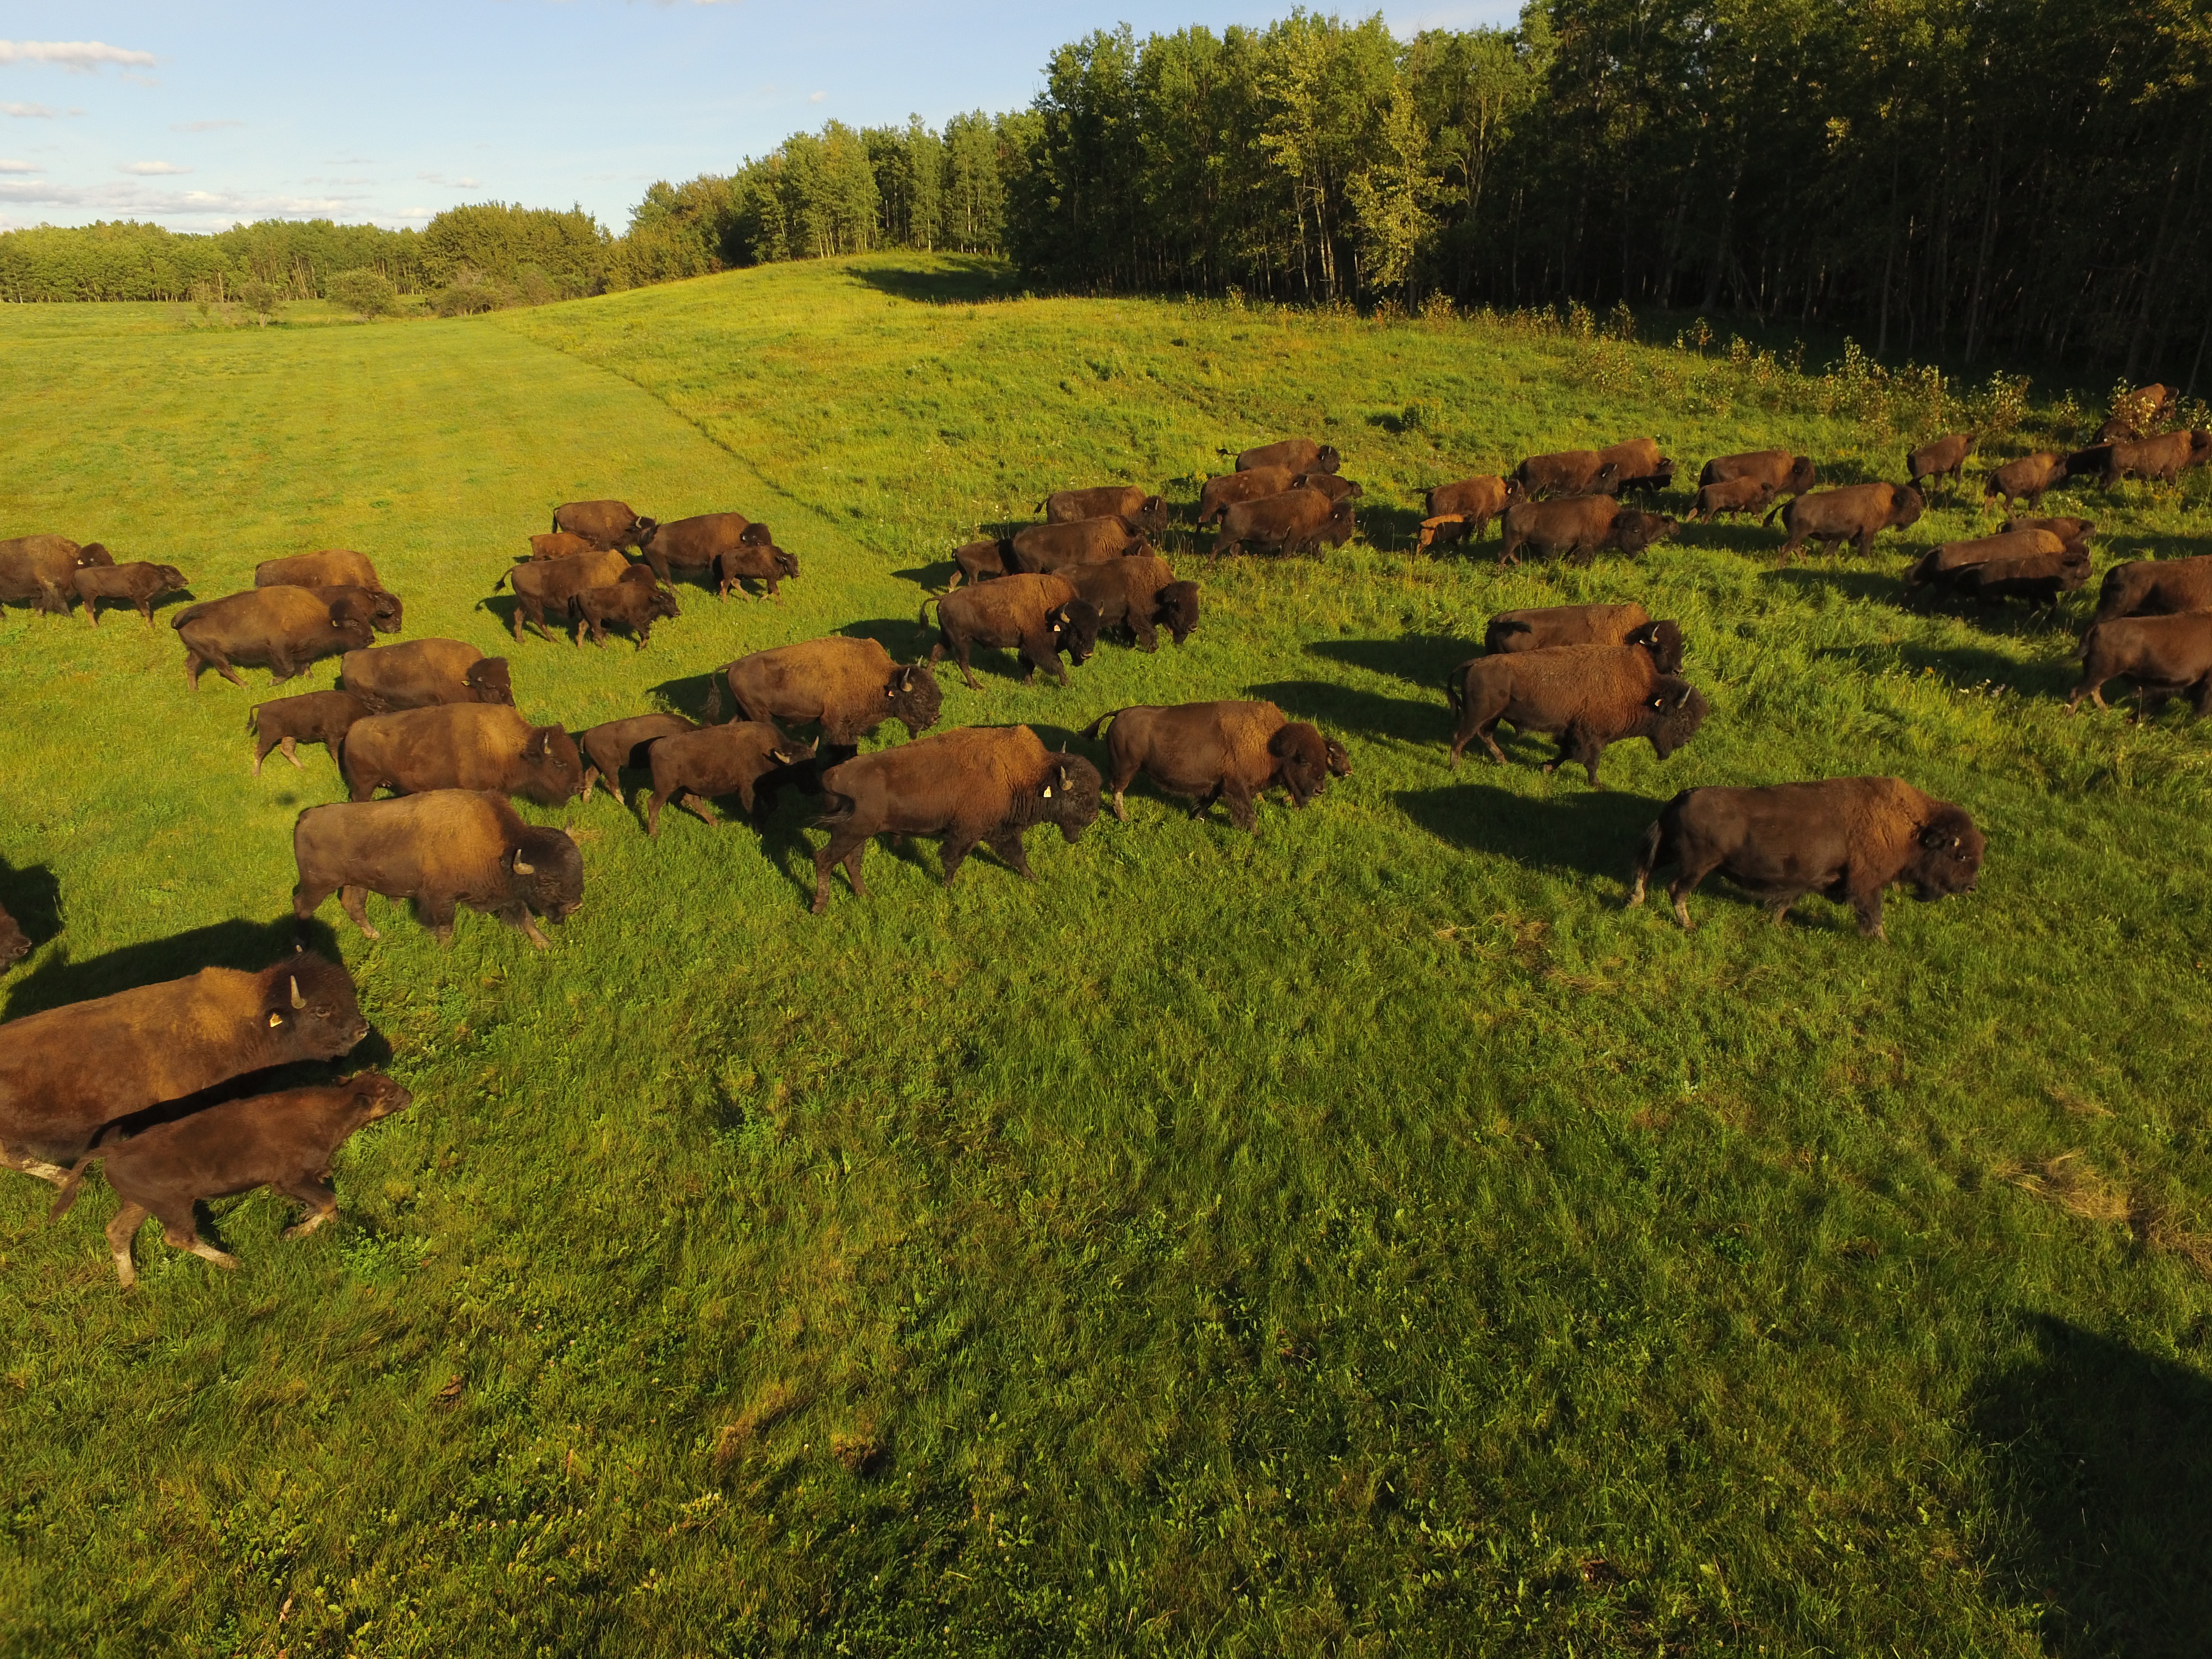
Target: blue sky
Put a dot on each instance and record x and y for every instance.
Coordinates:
(197, 115)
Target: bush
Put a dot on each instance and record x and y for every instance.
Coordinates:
(258, 297)
(366, 292)
(469, 292)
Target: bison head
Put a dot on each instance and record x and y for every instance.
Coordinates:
(1326, 460)
(1341, 523)
(786, 562)
(1800, 475)
(377, 1096)
(913, 697)
(1175, 609)
(552, 769)
(1301, 757)
(1672, 714)
(310, 1003)
(1340, 762)
(1151, 519)
(173, 579)
(15, 944)
(1906, 508)
(755, 534)
(487, 679)
(1663, 640)
(1068, 797)
(1075, 629)
(2200, 445)
(92, 553)
(662, 604)
(547, 872)
(1946, 853)
(1634, 531)
(352, 630)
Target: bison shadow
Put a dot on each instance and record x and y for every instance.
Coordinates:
(687, 695)
(2106, 1454)
(957, 280)
(249, 946)
(33, 896)
(1962, 667)
(1745, 538)
(1421, 660)
(1590, 832)
(1867, 586)
(932, 578)
(908, 639)
(1342, 707)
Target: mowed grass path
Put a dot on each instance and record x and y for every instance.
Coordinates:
(1367, 1235)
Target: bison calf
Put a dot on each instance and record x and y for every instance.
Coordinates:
(322, 717)
(445, 848)
(1139, 594)
(2025, 479)
(1944, 459)
(15, 943)
(1731, 495)
(137, 584)
(636, 602)
(618, 745)
(690, 768)
(1590, 695)
(1229, 751)
(1473, 502)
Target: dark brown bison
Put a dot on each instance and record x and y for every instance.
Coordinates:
(636, 602)
(763, 562)
(336, 567)
(69, 1072)
(383, 612)
(557, 544)
(1329, 484)
(1296, 521)
(1590, 695)
(42, 569)
(460, 745)
(1038, 617)
(2165, 656)
(1299, 454)
(1043, 548)
(1567, 472)
(2075, 533)
(550, 588)
(283, 629)
(692, 767)
(1944, 459)
(137, 584)
(1233, 752)
(986, 784)
(849, 686)
(287, 1141)
(15, 943)
(2156, 460)
(1145, 514)
(978, 562)
(719, 546)
(421, 673)
(1225, 490)
(1473, 501)
(1940, 566)
(604, 525)
(1139, 594)
(322, 717)
(2039, 577)
(2026, 478)
(1636, 464)
(445, 848)
(2137, 414)
(1731, 495)
(1848, 839)
(1540, 628)
(619, 746)
(1856, 513)
(1576, 527)
(2156, 587)
(1781, 471)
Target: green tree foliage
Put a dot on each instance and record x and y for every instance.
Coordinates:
(497, 240)
(121, 259)
(364, 291)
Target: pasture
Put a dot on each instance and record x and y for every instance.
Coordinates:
(1364, 1236)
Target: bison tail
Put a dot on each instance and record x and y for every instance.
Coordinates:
(1091, 732)
(502, 582)
(1771, 511)
(923, 617)
(715, 694)
(1648, 852)
(254, 718)
(72, 1182)
(1456, 690)
(840, 809)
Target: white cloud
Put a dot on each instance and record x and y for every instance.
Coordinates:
(416, 213)
(152, 169)
(81, 55)
(202, 126)
(816, 97)
(143, 201)
(21, 166)
(465, 182)
(29, 111)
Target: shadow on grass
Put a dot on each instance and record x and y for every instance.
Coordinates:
(1342, 708)
(1388, 529)
(954, 279)
(1586, 831)
(1421, 660)
(907, 638)
(688, 694)
(33, 896)
(1965, 668)
(1868, 586)
(2105, 1456)
(1742, 536)
(932, 578)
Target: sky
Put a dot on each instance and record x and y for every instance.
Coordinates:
(198, 115)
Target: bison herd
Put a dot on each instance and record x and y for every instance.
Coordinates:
(432, 726)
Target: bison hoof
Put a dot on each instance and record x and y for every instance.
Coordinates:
(368, 931)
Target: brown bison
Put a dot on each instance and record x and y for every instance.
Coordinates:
(1299, 454)
(15, 943)
(381, 610)
(618, 745)
(2025, 479)
(1475, 501)
(424, 671)
(1225, 490)
(1576, 527)
(2075, 533)
(1944, 459)
(67, 1073)
(1636, 464)
(1731, 495)
(43, 569)
(978, 562)
(1038, 617)
(2039, 577)
(1145, 514)
(557, 544)
(287, 1141)
(550, 587)
(1140, 594)
(460, 745)
(604, 525)
(2156, 460)
(763, 562)
(1233, 752)
(337, 568)
(2137, 414)
(1568, 472)
(2165, 656)
(849, 686)
(974, 784)
(1296, 521)
(1549, 625)
(635, 601)
(1043, 548)
(441, 849)
(283, 629)
(2156, 587)
(691, 768)
(1591, 695)
(1856, 513)
(322, 717)
(137, 584)
(726, 546)
(1940, 566)
(1847, 839)
(1781, 471)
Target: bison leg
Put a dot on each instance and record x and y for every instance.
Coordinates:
(1007, 842)
(1148, 637)
(180, 1233)
(1867, 904)
(844, 847)
(518, 917)
(92, 612)
(146, 611)
(121, 1231)
(697, 807)
(1238, 799)
(307, 898)
(321, 1201)
(353, 900)
(652, 810)
(956, 848)
(436, 914)
(1686, 878)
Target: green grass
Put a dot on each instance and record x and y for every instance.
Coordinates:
(1367, 1236)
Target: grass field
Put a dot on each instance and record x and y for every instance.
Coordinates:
(1367, 1236)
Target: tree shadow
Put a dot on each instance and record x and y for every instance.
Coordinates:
(1588, 832)
(32, 896)
(248, 946)
(955, 279)
(1343, 708)
(2106, 1454)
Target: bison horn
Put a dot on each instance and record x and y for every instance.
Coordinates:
(1048, 792)
(522, 869)
(298, 1001)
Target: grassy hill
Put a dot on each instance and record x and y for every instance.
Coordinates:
(1364, 1236)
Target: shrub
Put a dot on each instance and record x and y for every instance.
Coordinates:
(366, 292)
(469, 292)
(260, 297)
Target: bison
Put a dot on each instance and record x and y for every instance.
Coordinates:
(422, 672)
(459, 746)
(1731, 495)
(616, 745)
(1856, 513)
(67, 1073)
(1139, 594)
(849, 686)
(1568, 472)
(763, 562)
(1940, 566)
(978, 562)
(557, 544)
(1848, 839)
(2039, 577)
(1547, 626)
(322, 717)
(552, 587)
(636, 602)
(690, 768)
(1576, 527)
(43, 569)
(137, 584)
(722, 545)
(1043, 548)
(1296, 521)
(1145, 514)
(15, 943)
(287, 1140)
(1591, 695)
(2025, 479)
(2159, 460)
(1039, 616)
(986, 784)
(1944, 459)
(1475, 501)
(2163, 655)
(1781, 471)
(283, 629)
(1233, 752)
(440, 849)
(1636, 464)
(1299, 454)
(337, 568)
(606, 525)
(2075, 533)
(2156, 587)
(2137, 414)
